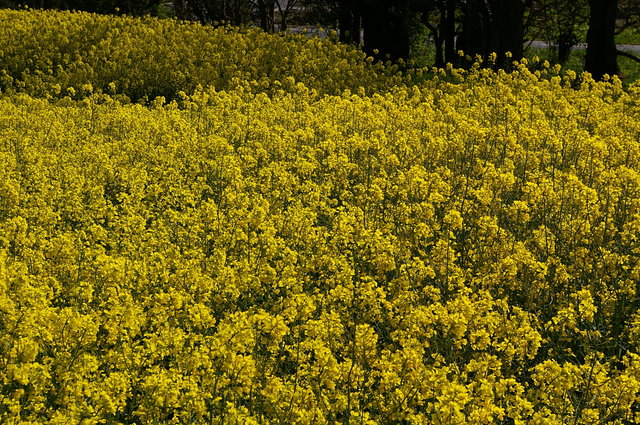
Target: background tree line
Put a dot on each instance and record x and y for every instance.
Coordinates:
(387, 28)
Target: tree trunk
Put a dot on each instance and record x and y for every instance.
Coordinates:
(565, 43)
(181, 9)
(495, 26)
(386, 29)
(265, 8)
(601, 56)
(284, 11)
(349, 22)
(449, 31)
(440, 56)
(508, 17)
(475, 26)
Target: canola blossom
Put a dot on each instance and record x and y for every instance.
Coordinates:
(69, 53)
(460, 251)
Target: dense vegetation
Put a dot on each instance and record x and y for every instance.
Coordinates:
(59, 53)
(396, 29)
(459, 250)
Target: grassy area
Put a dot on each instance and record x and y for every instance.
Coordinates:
(575, 62)
(629, 69)
(424, 55)
(629, 36)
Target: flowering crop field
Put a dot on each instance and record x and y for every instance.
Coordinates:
(56, 53)
(461, 251)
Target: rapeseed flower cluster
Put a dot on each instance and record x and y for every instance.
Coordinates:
(69, 53)
(462, 250)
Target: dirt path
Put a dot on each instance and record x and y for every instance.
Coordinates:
(631, 48)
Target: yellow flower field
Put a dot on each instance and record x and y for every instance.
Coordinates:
(56, 53)
(463, 250)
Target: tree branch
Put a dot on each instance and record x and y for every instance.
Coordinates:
(628, 55)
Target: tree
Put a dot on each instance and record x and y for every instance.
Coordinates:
(238, 12)
(493, 26)
(628, 18)
(234, 12)
(628, 14)
(601, 56)
(387, 28)
(266, 14)
(349, 21)
(448, 10)
(322, 12)
(439, 17)
(285, 7)
(478, 27)
(558, 22)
